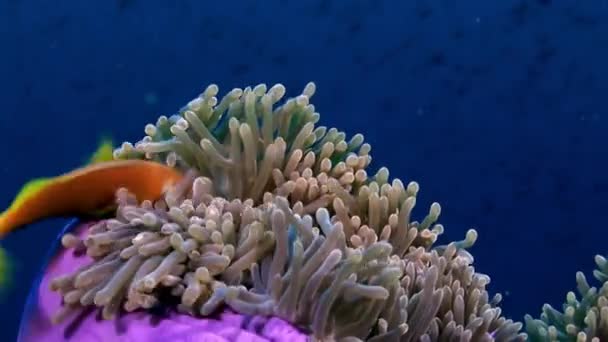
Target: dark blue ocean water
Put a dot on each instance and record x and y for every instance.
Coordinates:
(497, 108)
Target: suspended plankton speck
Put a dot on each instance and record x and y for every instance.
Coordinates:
(150, 98)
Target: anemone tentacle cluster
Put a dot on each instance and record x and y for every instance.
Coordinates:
(584, 319)
(278, 216)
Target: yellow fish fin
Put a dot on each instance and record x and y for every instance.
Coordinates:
(11, 216)
(31, 188)
(28, 190)
(104, 153)
(6, 270)
(34, 187)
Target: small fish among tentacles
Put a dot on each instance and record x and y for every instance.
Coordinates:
(87, 191)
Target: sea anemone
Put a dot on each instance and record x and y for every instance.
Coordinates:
(581, 320)
(278, 217)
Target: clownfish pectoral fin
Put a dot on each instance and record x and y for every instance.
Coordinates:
(102, 212)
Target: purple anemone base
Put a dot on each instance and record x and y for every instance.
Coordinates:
(158, 325)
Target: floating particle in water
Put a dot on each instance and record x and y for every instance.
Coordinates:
(150, 98)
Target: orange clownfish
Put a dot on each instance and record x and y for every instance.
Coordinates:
(85, 191)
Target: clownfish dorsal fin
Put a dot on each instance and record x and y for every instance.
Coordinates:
(104, 153)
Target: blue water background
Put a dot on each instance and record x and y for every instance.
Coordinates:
(497, 108)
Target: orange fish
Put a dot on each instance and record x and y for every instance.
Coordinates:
(86, 190)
